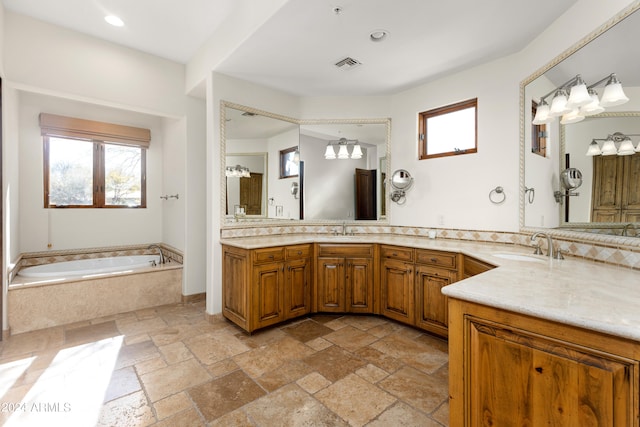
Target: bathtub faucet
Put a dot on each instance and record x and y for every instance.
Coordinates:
(159, 250)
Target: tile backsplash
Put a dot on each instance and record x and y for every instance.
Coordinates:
(624, 252)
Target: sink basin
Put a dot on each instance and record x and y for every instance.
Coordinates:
(517, 257)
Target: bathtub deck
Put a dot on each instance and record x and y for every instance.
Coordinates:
(36, 303)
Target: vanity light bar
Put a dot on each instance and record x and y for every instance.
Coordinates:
(625, 148)
(580, 101)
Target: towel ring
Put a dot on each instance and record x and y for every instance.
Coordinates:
(494, 195)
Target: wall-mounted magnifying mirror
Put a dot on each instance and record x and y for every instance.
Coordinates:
(401, 181)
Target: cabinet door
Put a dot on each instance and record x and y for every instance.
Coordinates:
(397, 284)
(521, 378)
(631, 183)
(330, 283)
(297, 294)
(359, 285)
(431, 304)
(268, 291)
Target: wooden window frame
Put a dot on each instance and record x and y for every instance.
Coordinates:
(100, 134)
(283, 161)
(422, 131)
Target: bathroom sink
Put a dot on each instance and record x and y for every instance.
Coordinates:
(517, 257)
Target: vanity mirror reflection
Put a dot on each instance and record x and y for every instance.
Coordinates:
(550, 148)
(347, 187)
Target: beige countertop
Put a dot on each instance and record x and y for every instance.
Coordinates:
(572, 291)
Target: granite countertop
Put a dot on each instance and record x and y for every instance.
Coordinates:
(572, 291)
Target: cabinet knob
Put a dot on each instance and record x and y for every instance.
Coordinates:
(299, 252)
(434, 259)
(270, 256)
(394, 254)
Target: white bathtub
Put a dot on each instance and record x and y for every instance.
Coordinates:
(87, 267)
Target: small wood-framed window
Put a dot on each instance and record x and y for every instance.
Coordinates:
(289, 161)
(90, 164)
(539, 134)
(449, 130)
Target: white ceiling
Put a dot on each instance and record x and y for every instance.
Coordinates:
(296, 49)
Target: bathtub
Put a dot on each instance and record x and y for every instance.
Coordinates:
(88, 267)
(67, 292)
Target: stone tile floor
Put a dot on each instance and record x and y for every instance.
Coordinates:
(169, 366)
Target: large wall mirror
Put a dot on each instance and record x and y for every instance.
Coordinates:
(282, 169)
(608, 197)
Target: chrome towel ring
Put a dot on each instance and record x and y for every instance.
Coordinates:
(497, 195)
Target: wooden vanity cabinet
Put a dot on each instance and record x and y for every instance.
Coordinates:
(262, 287)
(397, 283)
(472, 266)
(345, 278)
(508, 369)
(434, 271)
(411, 281)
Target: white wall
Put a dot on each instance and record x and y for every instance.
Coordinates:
(82, 228)
(65, 62)
(173, 179)
(280, 189)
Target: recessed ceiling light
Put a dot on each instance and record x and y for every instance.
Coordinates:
(378, 35)
(114, 20)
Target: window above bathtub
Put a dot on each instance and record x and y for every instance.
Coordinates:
(90, 164)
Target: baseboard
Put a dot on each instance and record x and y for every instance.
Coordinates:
(194, 297)
(6, 334)
(211, 318)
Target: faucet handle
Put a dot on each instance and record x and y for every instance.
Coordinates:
(558, 254)
(538, 250)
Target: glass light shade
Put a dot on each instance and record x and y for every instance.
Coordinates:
(329, 153)
(609, 148)
(542, 114)
(559, 104)
(637, 150)
(593, 107)
(573, 116)
(593, 149)
(343, 153)
(626, 148)
(613, 94)
(579, 94)
(357, 152)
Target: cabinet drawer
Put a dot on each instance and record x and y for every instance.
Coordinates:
(395, 252)
(268, 255)
(363, 251)
(298, 252)
(441, 259)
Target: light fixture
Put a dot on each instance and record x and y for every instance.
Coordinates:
(237, 171)
(378, 35)
(582, 100)
(343, 151)
(594, 149)
(572, 116)
(613, 94)
(114, 20)
(329, 153)
(609, 148)
(357, 152)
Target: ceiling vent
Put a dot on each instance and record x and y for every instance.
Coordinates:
(347, 63)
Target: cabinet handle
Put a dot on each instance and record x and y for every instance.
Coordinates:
(394, 254)
(434, 259)
(299, 252)
(270, 256)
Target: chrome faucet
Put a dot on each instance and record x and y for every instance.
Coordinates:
(159, 250)
(551, 253)
(625, 229)
(344, 228)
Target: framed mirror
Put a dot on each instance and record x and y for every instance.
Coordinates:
(548, 150)
(321, 189)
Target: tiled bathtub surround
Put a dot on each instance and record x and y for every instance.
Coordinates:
(596, 247)
(49, 257)
(40, 303)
